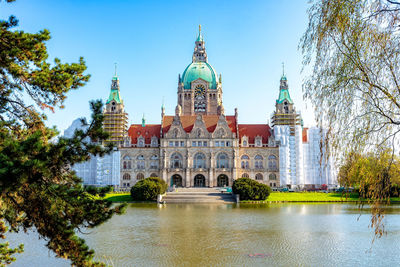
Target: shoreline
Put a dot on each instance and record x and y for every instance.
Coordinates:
(274, 198)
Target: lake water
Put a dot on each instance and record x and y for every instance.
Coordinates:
(234, 235)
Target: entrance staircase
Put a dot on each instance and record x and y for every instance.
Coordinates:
(198, 195)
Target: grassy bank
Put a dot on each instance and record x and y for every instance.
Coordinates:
(316, 197)
(311, 197)
(277, 197)
(119, 197)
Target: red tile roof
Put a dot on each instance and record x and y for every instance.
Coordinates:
(189, 120)
(252, 130)
(305, 135)
(148, 131)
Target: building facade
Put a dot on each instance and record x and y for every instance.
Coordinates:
(97, 171)
(201, 146)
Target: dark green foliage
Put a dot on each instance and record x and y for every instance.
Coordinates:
(249, 189)
(148, 189)
(37, 187)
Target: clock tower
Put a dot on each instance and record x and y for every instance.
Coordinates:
(199, 87)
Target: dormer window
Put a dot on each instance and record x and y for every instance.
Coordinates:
(140, 142)
(154, 141)
(258, 141)
(245, 141)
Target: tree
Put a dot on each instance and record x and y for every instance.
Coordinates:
(38, 187)
(360, 171)
(351, 49)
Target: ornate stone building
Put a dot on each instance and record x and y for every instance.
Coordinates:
(200, 146)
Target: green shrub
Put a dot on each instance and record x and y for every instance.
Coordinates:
(249, 189)
(148, 189)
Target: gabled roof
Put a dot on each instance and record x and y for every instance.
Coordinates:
(253, 130)
(188, 122)
(148, 131)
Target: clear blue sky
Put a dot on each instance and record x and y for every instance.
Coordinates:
(153, 41)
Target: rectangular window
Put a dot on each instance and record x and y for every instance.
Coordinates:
(216, 143)
(199, 143)
(222, 143)
(194, 143)
(228, 143)
(182, 143)
(176, 143)
(171, 143)
(204, 143)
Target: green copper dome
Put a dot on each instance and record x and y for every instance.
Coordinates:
(201, 70)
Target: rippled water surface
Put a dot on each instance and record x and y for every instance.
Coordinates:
(230, 235)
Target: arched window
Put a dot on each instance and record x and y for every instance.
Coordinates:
(259, 177)
(272, 162)
(126, 163)
(245, 162)
(222, 161)
(154, 162)
(140, 176)
(221, 133)
(154, 175)
(198, 133)
(258, 162)
(175, 133)
(140, 162)
(176, 160)
(272, 176)
(199, 161)
(245, 175)
(126, 176)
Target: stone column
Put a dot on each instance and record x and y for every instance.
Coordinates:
(188, 178)
(163, 166)
(211, 171)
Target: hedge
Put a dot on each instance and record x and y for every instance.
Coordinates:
(249, 189)
(148, 189)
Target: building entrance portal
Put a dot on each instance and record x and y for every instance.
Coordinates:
(176, 180)
(199, 181)
(222, 180)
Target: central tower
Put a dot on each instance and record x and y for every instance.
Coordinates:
(199, 88)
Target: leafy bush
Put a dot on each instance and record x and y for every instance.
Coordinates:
(249, 189)
(148, 189)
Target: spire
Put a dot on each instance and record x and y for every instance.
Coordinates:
(283, 70)
(162, 108)
(199, 37)
(199, 54)
(284, 90)
(143, 121)
(114, 92)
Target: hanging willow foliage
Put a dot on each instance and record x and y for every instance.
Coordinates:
(351, 51)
